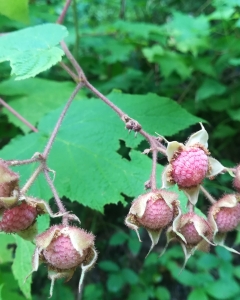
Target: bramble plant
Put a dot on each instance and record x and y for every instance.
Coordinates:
(96, 176)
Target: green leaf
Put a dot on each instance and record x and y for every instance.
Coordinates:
(133, 243)
(162, 293)
(224, 254)
(43, 222)
(223, 289)
(118, 238)
(139, 293)
(236, 271)
(207, 261)
(93, 291)
(197, 294)
(6, 254)
(32, 50)
(15, 9)
(10, 289)
(139, 30)
(115, 282)
(234, 61)
(171, 62)
(151, 53)
(22, 265)
(210, 88)
(188, 33)
(85, 156)
(1, 286)
(234, 114)
(34, 97)
(108, 266)
(154, 113)
(129, 276)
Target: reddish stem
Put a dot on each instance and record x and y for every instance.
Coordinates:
(17, 115)
(64, 11)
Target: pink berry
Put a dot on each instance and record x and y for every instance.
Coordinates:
(64, 247)
(228, 218)
(188, 229)
(18, 218)
(189, 167)
(61, 254)
(157, 214)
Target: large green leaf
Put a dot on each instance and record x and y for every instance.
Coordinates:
(15, 9)
(84, 155)
(34, 97)
(22, 265)
(32, 50)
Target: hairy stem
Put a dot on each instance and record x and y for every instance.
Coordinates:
(21, 162)
(54, 191)
(17, 115)
(73, 61)
(207, 195)
(153, 181)
(105, 99)
(64, 11)
(69, 71)
(31, 180)
(59, 122)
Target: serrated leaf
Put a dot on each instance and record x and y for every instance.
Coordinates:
(22, 265)
(151, 53)
(32, 50)
(34, 97)
(171, 62)
(15, 9)
(154, 113)
(84, 153)
(188, 33)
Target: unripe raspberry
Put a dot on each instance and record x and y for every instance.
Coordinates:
(227, 219)
(225, 213)
(189, 166)
(157, 214)
(8, 180)
(154, 211)
(63, 248)
(236, 181)
(190, 227)
(18, 218)
(60, 253)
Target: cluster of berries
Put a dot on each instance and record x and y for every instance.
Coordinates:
(62, 248)
(188, 165)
